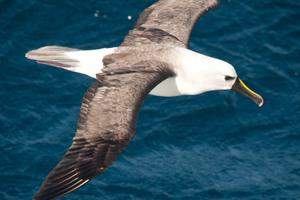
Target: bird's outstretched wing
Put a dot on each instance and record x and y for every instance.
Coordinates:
(106, 125)
(168, 22)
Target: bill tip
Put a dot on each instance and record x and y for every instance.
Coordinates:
(261, 103)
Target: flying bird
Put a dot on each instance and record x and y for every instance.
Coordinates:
(153, 58)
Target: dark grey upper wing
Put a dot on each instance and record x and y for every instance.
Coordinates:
(106, 125)
(168, 21)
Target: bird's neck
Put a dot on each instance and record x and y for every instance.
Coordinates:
(195, 72)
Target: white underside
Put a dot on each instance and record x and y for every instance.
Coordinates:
(89, 62)
(166, 88)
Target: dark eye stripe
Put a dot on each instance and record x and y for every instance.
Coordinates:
(228, 78)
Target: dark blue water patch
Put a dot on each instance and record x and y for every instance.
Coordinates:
(217, 145)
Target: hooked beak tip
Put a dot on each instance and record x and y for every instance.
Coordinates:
(239, 86)
(261, 102)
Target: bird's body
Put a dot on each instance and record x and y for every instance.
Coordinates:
(153, 58)
(180, 60)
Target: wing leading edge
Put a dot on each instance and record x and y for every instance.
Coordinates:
(168, 22)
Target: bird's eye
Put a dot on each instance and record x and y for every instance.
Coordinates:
(228, 78)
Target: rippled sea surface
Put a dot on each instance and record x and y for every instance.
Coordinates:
(217, 145)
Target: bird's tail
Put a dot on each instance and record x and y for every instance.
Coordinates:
(87, 62)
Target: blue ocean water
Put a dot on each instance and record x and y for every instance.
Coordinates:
(217, 145)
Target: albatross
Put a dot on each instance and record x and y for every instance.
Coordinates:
(153, 58)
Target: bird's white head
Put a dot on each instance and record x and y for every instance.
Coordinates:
(199, 73)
